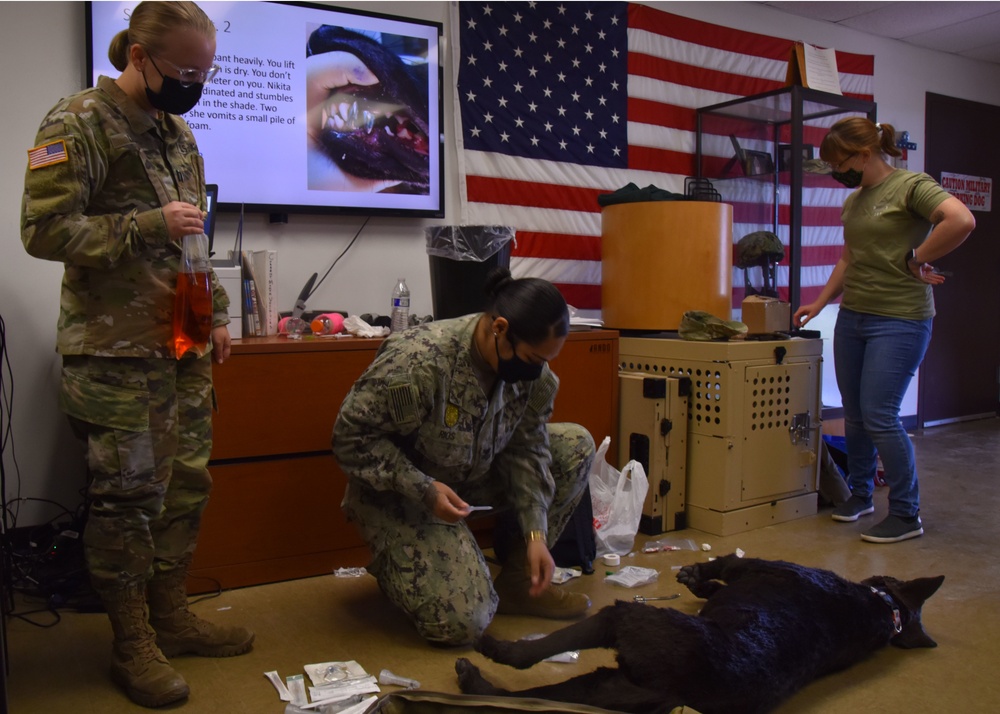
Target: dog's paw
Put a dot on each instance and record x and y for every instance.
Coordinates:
(688, 575)
(467, 672)
(693, 577)
(470, 681)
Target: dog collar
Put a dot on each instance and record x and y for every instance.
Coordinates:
(897, 620)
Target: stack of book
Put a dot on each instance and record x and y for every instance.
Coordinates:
(260, 308)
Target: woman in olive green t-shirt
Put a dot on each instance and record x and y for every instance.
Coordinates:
(895, 225)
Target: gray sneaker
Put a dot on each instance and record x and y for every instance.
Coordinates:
(849, 510)
(894, 529)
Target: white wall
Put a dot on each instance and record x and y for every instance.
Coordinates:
(40, 72)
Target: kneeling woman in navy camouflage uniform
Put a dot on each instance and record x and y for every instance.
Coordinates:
(453, 414)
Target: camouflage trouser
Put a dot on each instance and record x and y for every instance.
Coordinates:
(434, 571)
(148, 430)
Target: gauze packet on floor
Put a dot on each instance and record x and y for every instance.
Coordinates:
(632, 576)
(562, 575)
(324, 674)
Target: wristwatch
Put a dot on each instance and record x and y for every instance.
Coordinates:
(911, 258)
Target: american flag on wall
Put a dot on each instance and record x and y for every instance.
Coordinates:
(560, 102)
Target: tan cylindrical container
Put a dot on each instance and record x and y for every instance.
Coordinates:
(663, 258)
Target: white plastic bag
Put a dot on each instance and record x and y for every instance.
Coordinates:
(617, 498)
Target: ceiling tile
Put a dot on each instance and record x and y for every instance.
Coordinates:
(902, 21)
(971, 29)
(828, 11)
(961, 36)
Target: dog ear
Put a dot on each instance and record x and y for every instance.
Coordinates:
(913, 594)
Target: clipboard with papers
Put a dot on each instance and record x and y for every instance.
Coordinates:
(813, 67)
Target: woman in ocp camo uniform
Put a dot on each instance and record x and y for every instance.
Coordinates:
(113, 184)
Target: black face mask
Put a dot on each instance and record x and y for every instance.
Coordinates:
(850, 178)
(515, 369)
(173, 97)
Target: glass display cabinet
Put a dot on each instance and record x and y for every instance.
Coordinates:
(752, 151)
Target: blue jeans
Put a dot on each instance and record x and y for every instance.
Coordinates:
(875, 358)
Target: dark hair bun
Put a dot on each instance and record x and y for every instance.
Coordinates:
(496, 281)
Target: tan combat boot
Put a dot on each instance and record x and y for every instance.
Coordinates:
(137, 666)
(179, 631)
(512, 586)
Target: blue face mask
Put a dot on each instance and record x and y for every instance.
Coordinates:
(515, 369)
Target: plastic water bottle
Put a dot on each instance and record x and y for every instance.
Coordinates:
(400, 315)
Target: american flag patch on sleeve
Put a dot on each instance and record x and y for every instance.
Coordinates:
(47, 154)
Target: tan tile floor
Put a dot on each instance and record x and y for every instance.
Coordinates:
(63, 669)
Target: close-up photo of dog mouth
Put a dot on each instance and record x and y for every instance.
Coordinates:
(368, 112)
(372, 137)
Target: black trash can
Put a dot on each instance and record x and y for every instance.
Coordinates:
(460, 259)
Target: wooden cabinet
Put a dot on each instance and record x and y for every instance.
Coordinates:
(587, 367)
(275, 511)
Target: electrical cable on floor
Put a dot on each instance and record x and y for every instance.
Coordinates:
(209, 596)
(23, 616)
(48, 564)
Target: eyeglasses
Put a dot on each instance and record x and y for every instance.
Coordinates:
(189, 76)
(836, 167)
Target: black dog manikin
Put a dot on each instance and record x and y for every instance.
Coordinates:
(768, 628)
